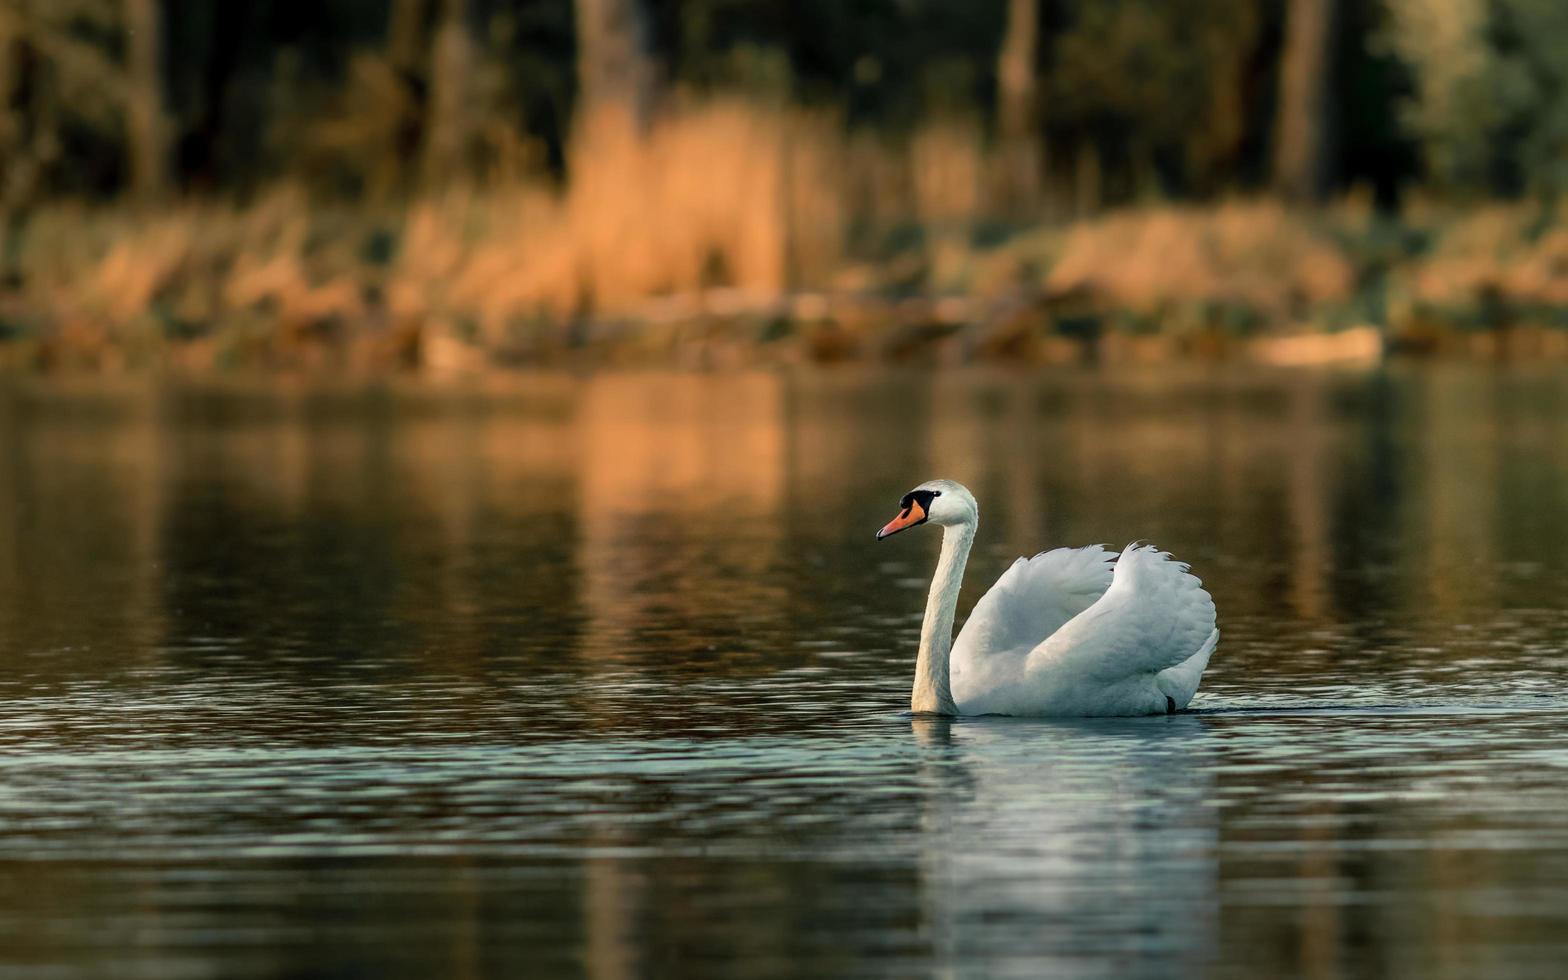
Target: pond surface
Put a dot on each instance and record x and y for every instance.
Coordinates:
(605, 676)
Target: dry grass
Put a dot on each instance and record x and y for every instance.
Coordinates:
(1516, 255)
(721, 208)
(723, 195)
(1258, 255)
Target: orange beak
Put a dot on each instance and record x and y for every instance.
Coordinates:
(908, 518)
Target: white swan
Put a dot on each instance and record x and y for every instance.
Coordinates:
(1064, 633)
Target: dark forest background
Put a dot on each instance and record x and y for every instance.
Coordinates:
(624, 151)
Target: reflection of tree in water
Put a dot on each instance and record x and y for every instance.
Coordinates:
(560, 560)
(1368, 504)
(854, 444)
(346, 533)
(1230, 473)
(82, 495)
(289, 538)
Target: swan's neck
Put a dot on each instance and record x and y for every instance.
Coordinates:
(933, 693)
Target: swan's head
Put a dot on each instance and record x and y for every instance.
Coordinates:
(937, 502)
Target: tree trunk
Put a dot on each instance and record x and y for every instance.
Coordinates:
(12, 137)
(613, 68)
(408, 55)
(448, 122)
(1017, 123)
(1304, 140)
(146, 126)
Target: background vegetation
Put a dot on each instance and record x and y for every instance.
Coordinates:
(450, 183)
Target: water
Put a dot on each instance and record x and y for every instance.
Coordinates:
(560, 676)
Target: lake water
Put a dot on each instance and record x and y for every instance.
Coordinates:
(605, 676)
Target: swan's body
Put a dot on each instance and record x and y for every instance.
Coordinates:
(1064, 633)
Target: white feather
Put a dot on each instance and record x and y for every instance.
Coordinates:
(1067, 633)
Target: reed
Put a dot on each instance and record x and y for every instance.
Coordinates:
(721, 208)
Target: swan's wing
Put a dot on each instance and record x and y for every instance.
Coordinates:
(1155, 616)
(1032, 600)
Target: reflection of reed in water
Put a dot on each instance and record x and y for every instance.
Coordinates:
(1083, 459)
(987, 430)
(710, 439)
(1453, 476)
(613, 897)
(847, 433)
(82, 497)
(288, 499)
(1307, 500)
(82, 501)
(681, 496)
(681, 484)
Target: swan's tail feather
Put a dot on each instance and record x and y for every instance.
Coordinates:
(1180, 683)
(1153, 618)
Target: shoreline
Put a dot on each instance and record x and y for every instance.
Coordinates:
(469, 284)
(708, 348)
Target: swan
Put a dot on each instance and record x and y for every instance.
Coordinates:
(1065, 633)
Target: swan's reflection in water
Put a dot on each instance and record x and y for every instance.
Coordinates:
(1253, 843)
(973, 847)
(1043, 846)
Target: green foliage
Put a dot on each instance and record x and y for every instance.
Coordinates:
(1156, 87)
(61, 95)
(1489, 107)
(1135, 98)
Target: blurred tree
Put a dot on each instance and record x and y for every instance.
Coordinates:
(533, 74)
(408, 55)
(1532, 38)
(1373, 149)
(61, 97)
(449, 124)
(614, 69)
(147, 131)
(1152, 99)
(1183, 98)
(1018, 126)
(212, 40)
(1488, 105)
(889, 63)
(1304, 127)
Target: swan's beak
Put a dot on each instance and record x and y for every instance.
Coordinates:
(909, 518)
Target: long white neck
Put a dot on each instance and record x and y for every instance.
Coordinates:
(933, 693)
